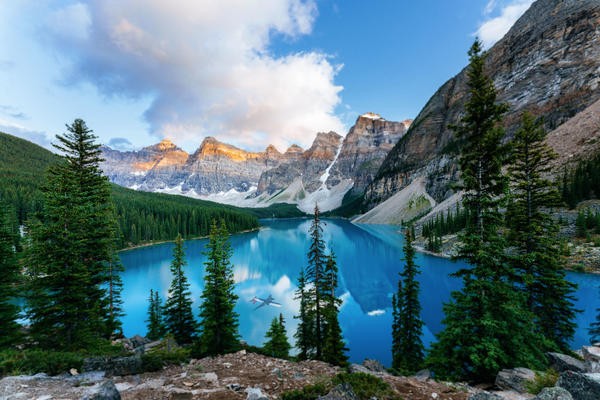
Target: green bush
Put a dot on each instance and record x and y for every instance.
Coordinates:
(13, 362)
(366, 386)
(310, 392)
(542, 380)
(166, 353)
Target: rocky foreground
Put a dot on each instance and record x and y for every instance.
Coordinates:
(251, 376)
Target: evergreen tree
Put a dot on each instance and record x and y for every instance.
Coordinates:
(115, 302)
(334, 347)
(407, 328)
(534, 235)
(487, 325)
(303, 335)
(178, 316)
(9, 279)
(315, 275)
(72, 246)
(219, 324)
(154, 323)
(277, 344)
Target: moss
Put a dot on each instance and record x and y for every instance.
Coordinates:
(542, 380)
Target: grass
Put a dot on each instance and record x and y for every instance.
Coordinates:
(542, 380)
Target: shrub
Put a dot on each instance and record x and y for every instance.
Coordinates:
(542, 380)
(310, 392)
(34, 361)
(365, 386)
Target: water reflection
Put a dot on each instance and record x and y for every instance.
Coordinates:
(269, 261)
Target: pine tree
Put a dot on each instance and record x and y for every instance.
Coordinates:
(9, 279)
(407, 328)
(315, 274)
(303, 335)
(277, 344)
(534, 235)
(487, 325)
(115, 302)
(178, 316)
(71, 248)
(154, 323)
(219, 324)
(334, 347)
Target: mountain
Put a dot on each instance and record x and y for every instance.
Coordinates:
(547, 64)
(323, 174)
(142, 217)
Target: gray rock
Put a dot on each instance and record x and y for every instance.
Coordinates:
(138, 341)
(581, 386)
(562, 362)
(114, 365)
(340, 392)
(374, 365)
(484, 396)
(591, 356)
(554, 393)
(514, 379)
(255, 394)
(104, 391)
(423, 375)
(357, 368)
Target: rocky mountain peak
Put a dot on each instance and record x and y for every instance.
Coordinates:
(164, 146)
(324, 146)
(294, 150)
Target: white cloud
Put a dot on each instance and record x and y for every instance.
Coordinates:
(37, 137)
(495, 27)
(207, 64)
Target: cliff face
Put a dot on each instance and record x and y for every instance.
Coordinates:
(548, 64)
(364, 149)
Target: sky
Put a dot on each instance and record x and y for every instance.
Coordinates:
(248, 72)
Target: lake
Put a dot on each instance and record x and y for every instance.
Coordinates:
(269, 261)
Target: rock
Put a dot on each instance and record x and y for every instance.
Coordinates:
(104, 391)
(357, 368)
(423, 375)
(180, 394)
(138, 341)
(374, 365)
(562, 362)
(591, 356)
(73, 372)
(235, 387)
(255, 394)
(484, 396)
(114, 365)
(340, 392)
(514, 379)
(554, 393)
(581, 386)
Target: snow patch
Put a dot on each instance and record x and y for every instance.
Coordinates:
(375, 313)
(325, 175)
(139, 173)
(371, 115)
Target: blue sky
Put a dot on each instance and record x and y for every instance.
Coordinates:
(247, 72)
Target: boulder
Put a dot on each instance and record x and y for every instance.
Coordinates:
(562, 362)
(255, 394)
(357, 368)
(581, 386)
(131, 365)
(138, 341)
(554, 393)
(423, 375)
(484, 396)
(340, 392)
(104, 391)
(373, 365)
(514, 379)
(591, 356)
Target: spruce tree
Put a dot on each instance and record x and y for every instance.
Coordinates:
(9, 280)
(315, 275)
(115, 302)
(334, 347)
(219, 322)
(71, 248)
(154, 323)
(534, 235)
(407, 328)
(178, 316)
(303, 335)
(277, 344)
(487, 324)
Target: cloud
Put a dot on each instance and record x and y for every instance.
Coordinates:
(13, 112)
(208, 66)
(120, 143)
(495, 27)
(37, 137)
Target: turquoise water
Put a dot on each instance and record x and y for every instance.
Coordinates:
(268, 262)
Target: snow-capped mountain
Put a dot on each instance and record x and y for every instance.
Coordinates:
(220, 172)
